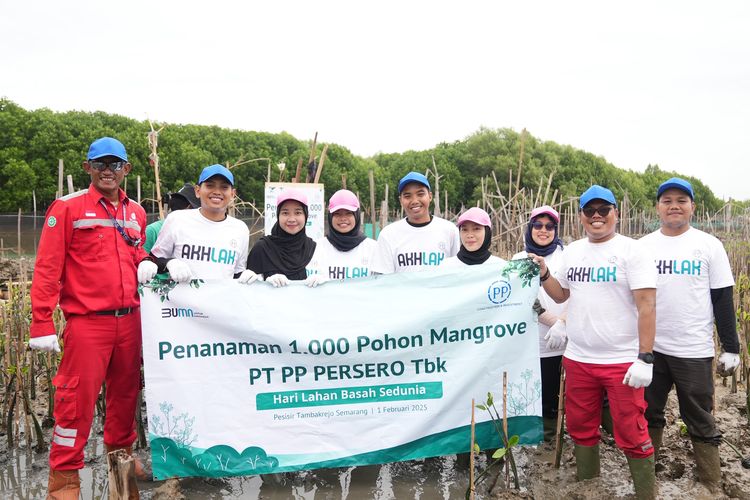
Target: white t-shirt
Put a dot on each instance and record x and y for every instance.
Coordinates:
(212, 249)
(454, 262)
(554, 261)
(337, 265)
(602, 324)
(688, 267)
(403, 247)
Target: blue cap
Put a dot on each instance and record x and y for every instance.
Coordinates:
(217, 169)
(675, 183)
(596, 192)
(107, 146)
(413, 177)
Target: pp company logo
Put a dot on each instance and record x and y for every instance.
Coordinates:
(499, 291)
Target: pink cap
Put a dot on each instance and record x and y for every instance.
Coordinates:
(291, 194)
(343, 199)
(475, 214)
(545, 209)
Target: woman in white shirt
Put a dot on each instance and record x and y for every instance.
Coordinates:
(542, 238)
(475, 231)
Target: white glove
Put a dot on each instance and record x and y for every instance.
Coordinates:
(639, 374)
(278, 280)
(728, 361)
(146, 271)
(46, 343)
(315, 279)
(556, 336)
(179, 271)
(247, 277)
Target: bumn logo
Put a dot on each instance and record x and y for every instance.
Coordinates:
(176, 312)
(498, 292)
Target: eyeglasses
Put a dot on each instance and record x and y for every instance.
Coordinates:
(604, 211)
(114, 166)
(549, 226)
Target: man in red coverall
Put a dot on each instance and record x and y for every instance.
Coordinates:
(87, 258)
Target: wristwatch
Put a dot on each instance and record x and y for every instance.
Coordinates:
(646, 357)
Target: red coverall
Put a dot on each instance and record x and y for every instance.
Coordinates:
(86, 264)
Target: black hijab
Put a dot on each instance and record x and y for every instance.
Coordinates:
(532, 247)
(480, 255)
(282, 253)
(343, 242)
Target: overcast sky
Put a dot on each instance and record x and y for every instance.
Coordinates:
(660, 82)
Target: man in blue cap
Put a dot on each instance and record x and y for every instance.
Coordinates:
(611, 283)
(86, 261)
(205, 243)
(695, 289)
(420, 240)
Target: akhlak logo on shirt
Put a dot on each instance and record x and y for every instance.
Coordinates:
(420, 258)
(345, 273)
(592, 274)
(690, 267)
(209, 254)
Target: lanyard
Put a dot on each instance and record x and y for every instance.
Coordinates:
(130, 241)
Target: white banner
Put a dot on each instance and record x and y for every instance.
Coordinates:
(252, 379)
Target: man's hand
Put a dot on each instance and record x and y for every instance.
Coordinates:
(278, 280)
(639, 374)
(247, 277)
(146, 271)
(179, 271)
(47, 343)
(728, 362)
(556, 336)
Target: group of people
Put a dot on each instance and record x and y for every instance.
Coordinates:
(620, 315)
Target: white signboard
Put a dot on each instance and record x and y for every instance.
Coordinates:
(315, 206)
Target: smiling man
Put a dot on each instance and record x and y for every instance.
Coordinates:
(694, 290)
(86, 261)
(204, 243)
(610, 281)
(419, 241)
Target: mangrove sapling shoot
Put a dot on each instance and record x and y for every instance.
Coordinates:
(745, 461)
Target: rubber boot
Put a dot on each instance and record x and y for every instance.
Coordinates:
(644, 477)
(140, 472)
(550, 429)
(607, 421)
(707, 464)
(63, 485)
(656, 434)
(587, 462)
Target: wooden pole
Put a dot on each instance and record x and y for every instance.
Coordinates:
(33, 197)
(384, 209)
(319, 171)
(471, 454)
(436, 199)
(312, 154)
(19, 232)
(373, 215)
(560, 419)
(138, 189)
(299, 171)
(70, 184)
(121, 473)
(153, 142)
(60, 169)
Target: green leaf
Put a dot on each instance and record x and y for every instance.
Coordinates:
(513, 440)
(481, 407)
(490, 401)
(477, 449)
(499, 453)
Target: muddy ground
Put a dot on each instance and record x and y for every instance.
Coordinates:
(23, 474)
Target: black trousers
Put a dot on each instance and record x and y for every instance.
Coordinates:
(550, 385)
(693, 380)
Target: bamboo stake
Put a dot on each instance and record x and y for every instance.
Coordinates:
(471, 454)
(121, 474)
(60, 169)
(319, 171)
(560, 419)
(153, 158)
(138, 189)
(71, 189)
(373, 215)
(299, 171)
